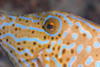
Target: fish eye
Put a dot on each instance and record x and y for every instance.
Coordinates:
(51, 25)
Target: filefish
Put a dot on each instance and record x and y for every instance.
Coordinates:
(50, 39)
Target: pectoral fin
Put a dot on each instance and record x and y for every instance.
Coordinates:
(40, 60)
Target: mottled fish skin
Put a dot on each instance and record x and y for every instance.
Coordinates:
(28, 44)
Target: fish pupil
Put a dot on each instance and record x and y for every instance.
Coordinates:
(49, 26)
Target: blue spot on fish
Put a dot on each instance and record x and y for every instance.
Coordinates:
(80, 65)
(37, 15)
(79, 48)
(74, 36)
(32, 28)
(83, 31)
(97, 64)
(23, 27)
(71, 61)
(88, 49)
(46, 13)
(60, 41)
(20, 46)
(3, 18)
(47, 58)
(65, 34)
(58, 64)
(89, 61)
(47, 65)
(96, 44)
(24, 17)
(99, 35)
(36, 21)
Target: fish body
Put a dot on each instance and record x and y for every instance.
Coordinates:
(50, 39)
